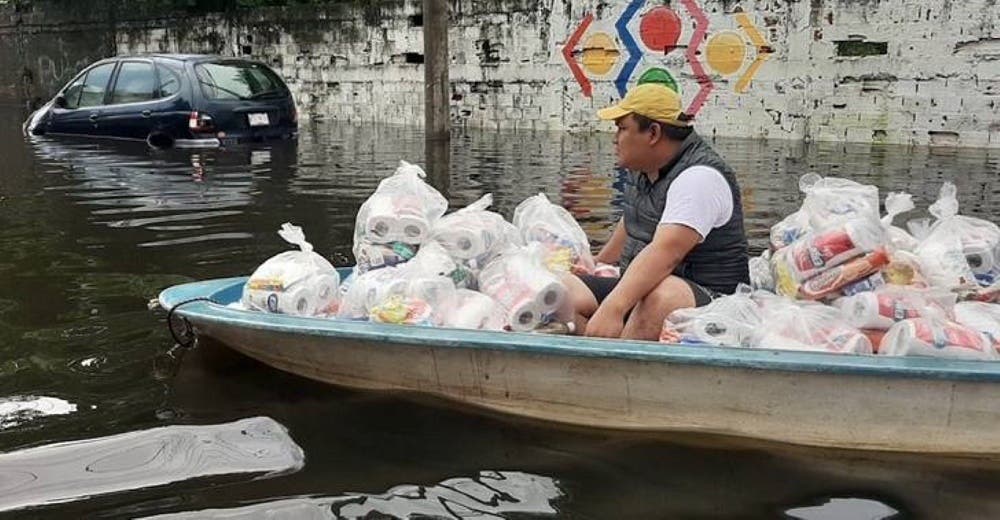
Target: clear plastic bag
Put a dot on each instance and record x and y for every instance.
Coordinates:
(475, 236)
(402, 294)
(820, 251)
(937, 337)
(959, 251)
(809, 326)
(527, 291)
(897, 203)
(732, 321)
(366, 290)
(831, 201)
(760, 272)
(403, 209)
(300, 282)
(434, 260)
(567, 248)
(369, 257)
(789, 229)
(984, 317)
(474, 310)
(881, 309)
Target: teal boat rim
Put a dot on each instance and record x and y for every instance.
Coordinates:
(227, 290)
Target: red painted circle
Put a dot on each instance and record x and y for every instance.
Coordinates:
(660, 29)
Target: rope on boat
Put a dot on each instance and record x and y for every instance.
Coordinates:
(186, 337)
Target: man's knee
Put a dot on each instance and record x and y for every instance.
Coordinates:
(673, 293)
(579, 296)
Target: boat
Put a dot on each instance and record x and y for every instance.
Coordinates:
(857, 402)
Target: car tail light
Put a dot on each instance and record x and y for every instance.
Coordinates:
(199, 122)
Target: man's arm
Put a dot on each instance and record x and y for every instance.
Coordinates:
(656, 261)
(612, 250)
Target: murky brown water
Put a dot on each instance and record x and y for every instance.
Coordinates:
(90, 231)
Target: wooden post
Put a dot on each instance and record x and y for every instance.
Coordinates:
(437, 95)
(436, 91)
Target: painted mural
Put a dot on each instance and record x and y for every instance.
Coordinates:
(657, 43)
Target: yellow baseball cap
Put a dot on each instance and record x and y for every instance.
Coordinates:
(653, 100)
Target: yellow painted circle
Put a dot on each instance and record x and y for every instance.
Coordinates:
(599, 53)
(725, 52)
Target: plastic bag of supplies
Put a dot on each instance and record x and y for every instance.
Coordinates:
(566, 246)
(527, 291)
(474, 236)
(402, 210)
(299, 282)
(959, 251)
(732, 321)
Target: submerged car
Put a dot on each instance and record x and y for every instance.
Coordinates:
(172, 100)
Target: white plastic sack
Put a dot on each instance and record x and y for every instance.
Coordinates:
(403, 209)
(475, 236)
(567, 248)
(897, 203)
(959, 251)
(760, 272)
(789, 229)
(831, 201)
(808, 326)
(732, 321)
(934, 337)
(401, 294)
(300, 282)
(474, 310)
(528, 292)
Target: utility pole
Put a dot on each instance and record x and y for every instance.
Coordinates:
(437, 95)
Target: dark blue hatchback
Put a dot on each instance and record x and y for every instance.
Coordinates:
(172, 100)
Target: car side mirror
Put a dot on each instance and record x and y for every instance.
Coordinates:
(60, 101)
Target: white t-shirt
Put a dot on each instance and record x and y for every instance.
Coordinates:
(699, 198)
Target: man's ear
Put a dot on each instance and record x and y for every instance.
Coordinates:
(655, 133)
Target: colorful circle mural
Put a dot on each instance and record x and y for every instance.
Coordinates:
(599, 53)
(660, 29)
(726, 52)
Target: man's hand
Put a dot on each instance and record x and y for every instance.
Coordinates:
(607, 322)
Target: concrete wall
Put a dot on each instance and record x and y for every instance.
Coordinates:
(895, 71)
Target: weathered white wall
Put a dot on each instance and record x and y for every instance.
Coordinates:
(938, 83)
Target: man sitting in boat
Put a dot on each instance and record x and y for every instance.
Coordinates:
(680, 241)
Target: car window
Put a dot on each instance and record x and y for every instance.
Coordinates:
(72, 92)
(170, 82)
(239, 80)
(136, 82)
(95, 86)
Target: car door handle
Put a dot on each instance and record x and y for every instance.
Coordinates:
(146, 113)
(93, 117)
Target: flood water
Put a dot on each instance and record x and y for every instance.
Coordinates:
(91, 231)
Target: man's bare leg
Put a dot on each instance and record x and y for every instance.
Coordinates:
(580, 303)
(647, 317)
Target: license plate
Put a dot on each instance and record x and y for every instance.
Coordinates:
(259, 119)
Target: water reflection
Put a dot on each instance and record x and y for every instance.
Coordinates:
(839, 508)
(490, 495)
(73, 470)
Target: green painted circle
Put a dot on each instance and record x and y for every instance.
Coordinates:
(658, 75)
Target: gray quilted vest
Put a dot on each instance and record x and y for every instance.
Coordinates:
(720, 262)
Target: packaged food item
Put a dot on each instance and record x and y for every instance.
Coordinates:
(832, 280)
(300, 283)
(819, 252)
(935, 337)
(881, 309)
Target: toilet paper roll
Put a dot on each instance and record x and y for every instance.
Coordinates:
(381, 229)
(980, 258)
(549, 295)
(327, 291)
(863, 311)
(465, 243)
(299, 300)
(413, 229)
(524, 316)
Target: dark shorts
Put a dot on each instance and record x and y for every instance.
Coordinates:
(601, 287)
